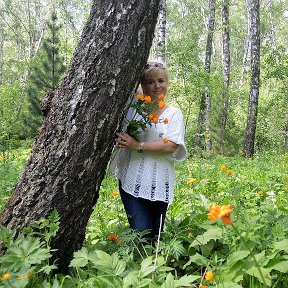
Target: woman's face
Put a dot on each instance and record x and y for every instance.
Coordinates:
(155, 83)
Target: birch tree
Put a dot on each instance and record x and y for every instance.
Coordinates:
(161, 32)
(203, 123)
(71, 152)
(225, 70)
(250, 131)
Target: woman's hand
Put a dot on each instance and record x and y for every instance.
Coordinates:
(124, 140)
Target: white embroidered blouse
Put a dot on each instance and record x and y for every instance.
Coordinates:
(150, 175)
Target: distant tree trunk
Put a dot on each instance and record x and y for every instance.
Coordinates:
(70, 155)
(254, 81)
(286, 126)
(203, 139)
(161, 31)
(247, 44)
(225, 70)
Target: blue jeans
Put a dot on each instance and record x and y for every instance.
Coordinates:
(144, 214)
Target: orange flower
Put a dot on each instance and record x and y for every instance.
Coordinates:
(140, 97)
(209, 276)
(222, 212)
(161, 104)
(115, 193)
(161, 96)
(223, 167)
(150, 116)
(166, 121)
(112, 237)
(147, 99)
(229, 171)
(202, 286)
(165, 140)
(155, 118)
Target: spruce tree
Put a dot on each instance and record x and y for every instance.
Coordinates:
(46, 74)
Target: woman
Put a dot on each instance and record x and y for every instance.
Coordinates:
(145, 168)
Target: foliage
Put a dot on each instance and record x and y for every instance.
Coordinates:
(191, 248)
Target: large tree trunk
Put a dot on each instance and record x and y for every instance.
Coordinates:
(249, 141)
(71, 152)
(225, 71)
(203, 123)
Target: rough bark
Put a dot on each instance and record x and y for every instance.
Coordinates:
(225, 70)
(71, 152)
(161, 31)
(203, 123)
(249, 141)
(247, 45)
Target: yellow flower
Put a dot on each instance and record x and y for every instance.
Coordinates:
(165, 140)
(209, 276)
(161, 104)
(223, 167)
(222, 212)
(192, 180)
(140, 97)
(229, 171)
(190, 235)
(115, 193)
(147, 99)
(165, 121)
(5, 276)
(112, 237)
(260, 193)
(202, 286)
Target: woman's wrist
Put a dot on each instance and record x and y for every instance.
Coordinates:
(140, 148)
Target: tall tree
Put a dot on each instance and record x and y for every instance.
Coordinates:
(250, 131)
(225, 70)
(45, 75)
(203, 123)
(71, 152)
(161, 31)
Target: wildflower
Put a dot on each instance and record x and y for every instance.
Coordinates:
(155, 118)
(161, 104)
(223, 167)
(5, 276)
(222, 212)
(192, 180)
(209, 276)
(165, 140)
(150, 116)
(112, 237)
(115, 193)
(190, 235)
(140, 97)
(161, 96)
(202, 286)
(166, 122)
(147, 99)
(260, 193)
(229, 171)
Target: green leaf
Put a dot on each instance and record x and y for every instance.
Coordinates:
(213, 233)
(80, 259)
(236, 256)
(282, 245)
(187, 280)
(254, 271)
(198, 259)
(279, 265)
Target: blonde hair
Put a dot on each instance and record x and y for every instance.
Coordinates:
(153, 67)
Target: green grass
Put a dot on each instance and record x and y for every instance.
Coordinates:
(253, 252)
